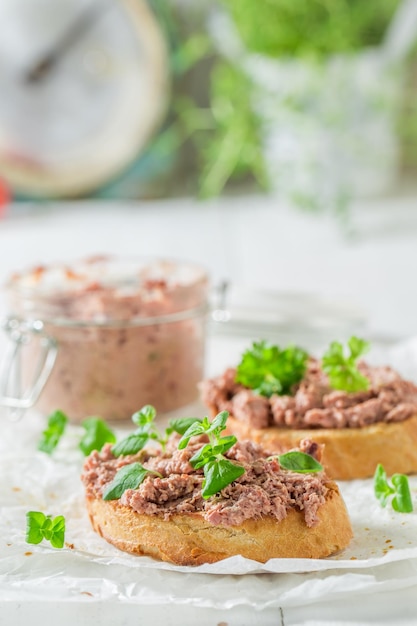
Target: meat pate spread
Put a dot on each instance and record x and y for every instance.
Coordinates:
(263, 490)
(129, 332)
(314, 404)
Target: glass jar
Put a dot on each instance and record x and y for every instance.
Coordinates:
(126, 332)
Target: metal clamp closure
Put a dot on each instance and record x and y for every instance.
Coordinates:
(12, 393)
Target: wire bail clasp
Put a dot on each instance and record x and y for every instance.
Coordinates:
(20, 333)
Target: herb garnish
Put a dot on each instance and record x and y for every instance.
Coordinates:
(128, 477)
(132, 475)
(146, 430)
(97, 433)
(268, 369)
(41, 526)
(57, 422)
(300, 462)
(218, 471)
(341, 369)
(181, 425)
(400, 490)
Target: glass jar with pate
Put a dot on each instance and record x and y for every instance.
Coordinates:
(123, 332)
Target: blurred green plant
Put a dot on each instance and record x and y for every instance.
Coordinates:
(225, 133)
(310, 27)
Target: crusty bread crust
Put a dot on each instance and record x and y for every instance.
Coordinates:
(349, 453)
(188, 539)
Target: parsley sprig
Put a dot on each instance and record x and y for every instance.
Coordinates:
(340, 365)
(40, 526)
(268, 369)
(218, 470)
(399, 490)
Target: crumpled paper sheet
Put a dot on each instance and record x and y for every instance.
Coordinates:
(382, 555)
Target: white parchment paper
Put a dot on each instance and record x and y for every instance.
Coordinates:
(383, 553)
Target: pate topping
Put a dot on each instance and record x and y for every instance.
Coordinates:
(265, 489)
(314, 404)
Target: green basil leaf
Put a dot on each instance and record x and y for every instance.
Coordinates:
(131, 444)
(97, 433)
(218, 474)
(300, 462)
(57, 422)
(128, 477)
(401, 501)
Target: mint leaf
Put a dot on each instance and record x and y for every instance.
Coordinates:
(40, 526)
(300, 462)
(268, 369)
(57, 422)
(97, 433)
(128, 477)
(340, 365)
